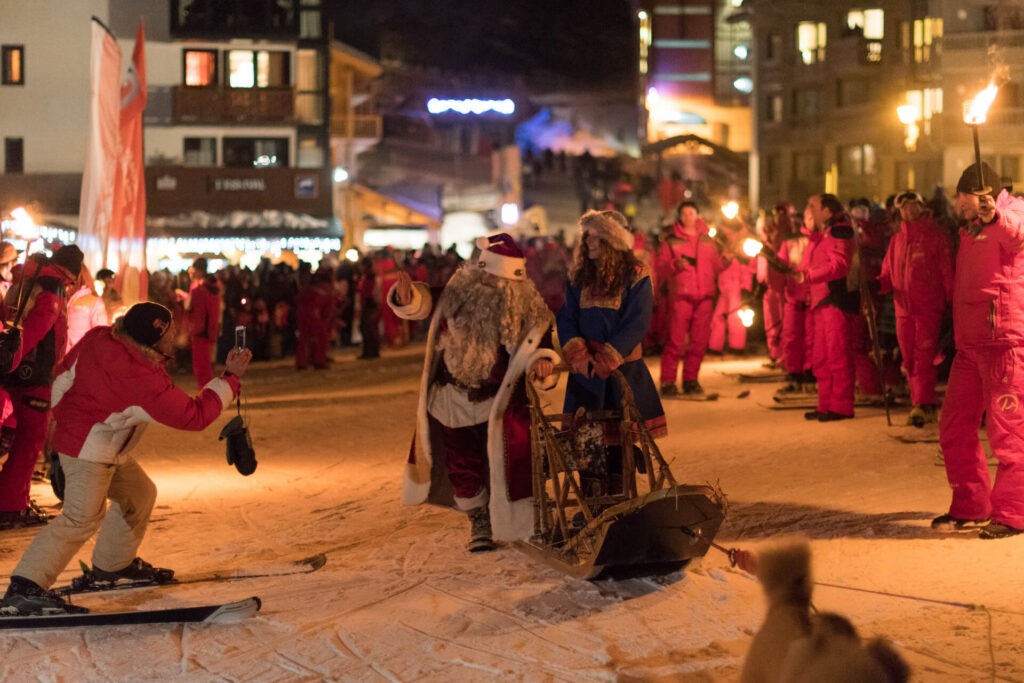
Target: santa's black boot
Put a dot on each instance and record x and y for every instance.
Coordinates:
(480, 531)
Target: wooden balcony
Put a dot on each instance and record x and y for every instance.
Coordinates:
(364, 127)
(233, 105)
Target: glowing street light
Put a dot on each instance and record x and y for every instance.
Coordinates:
(730, 210)
(25, 227)
(909, 115)
(509, 213)
(746, 315)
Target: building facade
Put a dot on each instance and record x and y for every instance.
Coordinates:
(867, 100)
(695, 79)
(250, 110)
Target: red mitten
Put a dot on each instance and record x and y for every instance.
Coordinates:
(577, 356)
(606, 360)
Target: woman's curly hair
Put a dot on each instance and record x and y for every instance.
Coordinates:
(608, 274)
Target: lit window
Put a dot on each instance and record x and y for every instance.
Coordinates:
(926, 32)
(200, 68)
(241, 69)
(857, 160)
(13, 62)
(258, 69)
(927, 103)
(811, 39)
(255, 152)
(871, 22)
(873, 53)
(200, 151)
(645, 39)
(773, 108)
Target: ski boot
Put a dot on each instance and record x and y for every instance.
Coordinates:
(25, 598)
(137, 571)
(480, 531)
(950, 523)
(794, 386)
(921, 415)
(30, 516)
(669, 390)
(692, 387)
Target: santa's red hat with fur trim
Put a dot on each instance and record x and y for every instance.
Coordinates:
(501, 256)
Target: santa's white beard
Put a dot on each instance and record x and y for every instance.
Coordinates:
(471, 342)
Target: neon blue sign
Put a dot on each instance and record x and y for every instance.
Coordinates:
(472, 106)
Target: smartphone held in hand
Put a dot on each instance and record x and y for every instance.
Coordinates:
(240, 337)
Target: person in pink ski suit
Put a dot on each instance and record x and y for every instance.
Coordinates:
(988, 371)
(727, 330)
(918, 270)
(826, 269)
(797, 325)
(778, 229)
(202, 306)
(44, 331)
(689, 261)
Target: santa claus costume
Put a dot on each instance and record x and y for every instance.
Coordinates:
(472, 445)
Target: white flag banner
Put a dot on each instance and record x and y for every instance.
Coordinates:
(96, 206)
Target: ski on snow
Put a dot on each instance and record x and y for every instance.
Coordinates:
(85, 584)
(224, 613)
(697, 397)
(757, 377)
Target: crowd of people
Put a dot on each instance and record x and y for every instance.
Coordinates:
(854, 297)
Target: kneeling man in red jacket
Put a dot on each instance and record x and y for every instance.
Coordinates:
(107, 389)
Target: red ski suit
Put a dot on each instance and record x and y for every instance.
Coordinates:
(797, 321)
(43, 340)
(689, 264)
(827, 266)
(918, 270)
(988, 371)
(204, 326)
(315, 310)
(732, 282)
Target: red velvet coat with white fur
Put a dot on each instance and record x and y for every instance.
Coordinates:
(511, 519)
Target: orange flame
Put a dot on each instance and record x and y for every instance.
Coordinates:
(976, 110)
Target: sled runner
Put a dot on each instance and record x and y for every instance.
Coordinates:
(606, 503)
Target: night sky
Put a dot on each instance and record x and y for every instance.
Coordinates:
(583, 43)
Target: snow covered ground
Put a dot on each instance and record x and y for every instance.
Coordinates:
(400, 599)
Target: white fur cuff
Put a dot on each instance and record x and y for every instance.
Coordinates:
(418, 308)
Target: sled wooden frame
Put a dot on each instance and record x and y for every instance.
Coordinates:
(661, 503)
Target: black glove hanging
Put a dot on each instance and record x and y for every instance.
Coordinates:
(239, 447)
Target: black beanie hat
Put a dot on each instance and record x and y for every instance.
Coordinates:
(968, 182)
(147, 322)
(70, 258)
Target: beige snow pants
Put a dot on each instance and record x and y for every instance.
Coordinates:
(87, 488)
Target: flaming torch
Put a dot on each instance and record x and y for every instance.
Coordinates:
(975, 112)
(753, 248)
